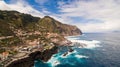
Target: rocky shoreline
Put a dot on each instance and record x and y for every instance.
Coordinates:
(28, 54)
(29, 61)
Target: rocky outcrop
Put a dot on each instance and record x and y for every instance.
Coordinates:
(29, 61)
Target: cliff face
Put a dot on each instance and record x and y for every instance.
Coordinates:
(29, 61)
(55, 26)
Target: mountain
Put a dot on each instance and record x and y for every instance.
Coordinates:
(19, 28)
(55, 26)
(10, 20)
(39, 37)
(16, 20)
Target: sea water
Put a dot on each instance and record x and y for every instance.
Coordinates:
(101, 50)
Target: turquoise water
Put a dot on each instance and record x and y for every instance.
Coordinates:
(102, 50)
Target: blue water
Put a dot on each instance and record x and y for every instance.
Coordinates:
(107, 54)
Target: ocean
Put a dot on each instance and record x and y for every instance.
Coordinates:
(101, 50)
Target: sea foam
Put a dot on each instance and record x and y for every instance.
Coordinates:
(89, 44)
(81, 56)
(68, 54)
(54, 61)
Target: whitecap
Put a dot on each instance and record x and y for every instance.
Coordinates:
(85, 43)
(68, 53)
(88, 44)
(54, 61)
(81, 56)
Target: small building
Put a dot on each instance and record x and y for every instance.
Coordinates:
(4, 55)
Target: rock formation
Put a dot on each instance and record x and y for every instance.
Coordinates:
(29, 61)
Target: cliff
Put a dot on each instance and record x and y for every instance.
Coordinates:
(29, 61)
(57, 27)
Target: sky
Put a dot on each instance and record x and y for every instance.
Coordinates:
(88, 15)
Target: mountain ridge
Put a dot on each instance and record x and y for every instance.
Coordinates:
(21, 20)
(64, 29)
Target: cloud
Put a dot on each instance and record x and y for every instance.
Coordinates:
(106, 11)
(21, 6)
(88, 15)
(4, 6)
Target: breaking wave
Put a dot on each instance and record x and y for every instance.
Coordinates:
(89, 44)
(81, 56)
(56, 59)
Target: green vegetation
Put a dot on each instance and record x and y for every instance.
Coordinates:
(13, 52)
(16, 19)
(11, 21)
(4, 29)
(55, 26)
(2, 50)
(48, 23)
(17, 29)
(14, 41)
(32, 37)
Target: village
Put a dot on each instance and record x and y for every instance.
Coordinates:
(23, 51)
(10, 54)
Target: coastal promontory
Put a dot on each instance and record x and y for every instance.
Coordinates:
(25, 38)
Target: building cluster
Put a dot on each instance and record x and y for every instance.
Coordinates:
(4, 55)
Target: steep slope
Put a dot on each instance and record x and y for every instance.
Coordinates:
(14, 19)
(22, 27)
(57, 27)
(21, 33)
(10, 20)
(5, 29)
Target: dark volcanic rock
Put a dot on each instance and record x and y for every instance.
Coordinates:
(71, 50)
(29, 61)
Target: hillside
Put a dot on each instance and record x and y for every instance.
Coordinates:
(19, 28)
(57, 27)
(21, 34)
(16, 20)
